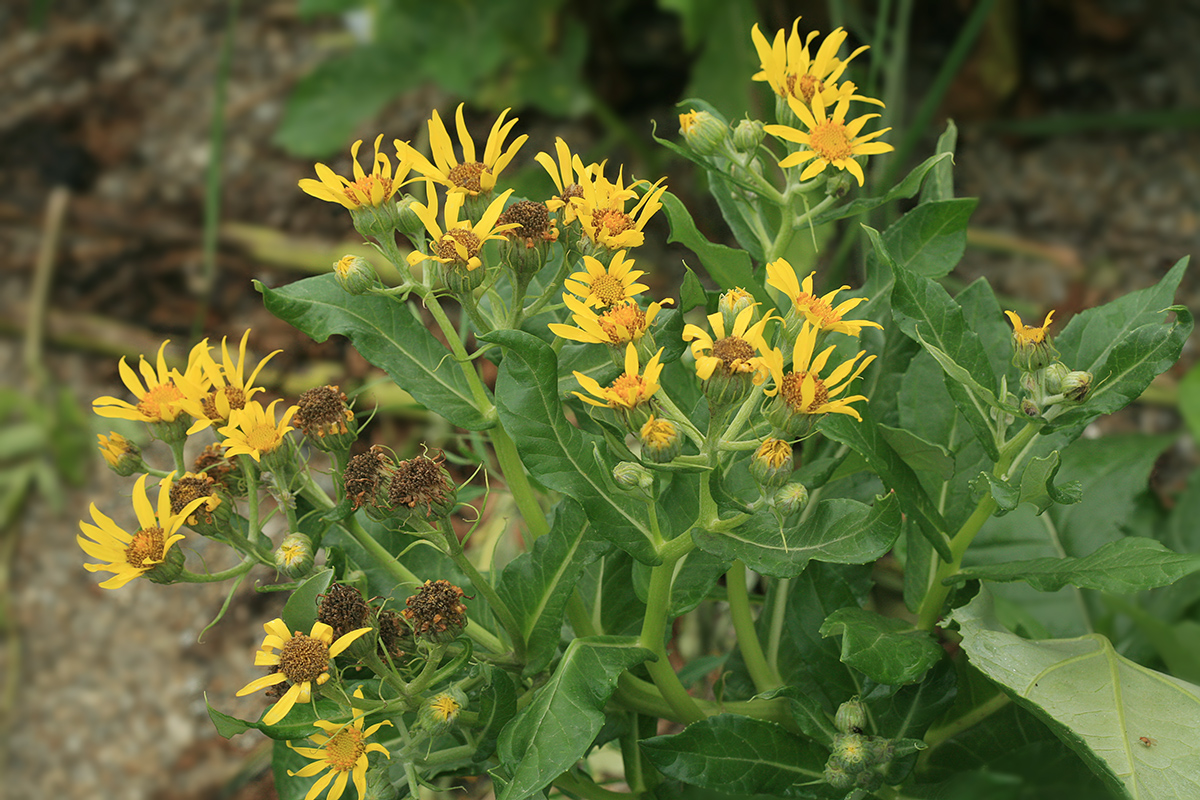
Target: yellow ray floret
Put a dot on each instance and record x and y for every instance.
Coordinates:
(828, 140)
(252, 429)
(616, 325)
(1029, 334)
(790, 70)
(468, 176)
(802, 387)
(819, 311)
(630, 389)
(342, 751)
(367, 189)
(159, 399)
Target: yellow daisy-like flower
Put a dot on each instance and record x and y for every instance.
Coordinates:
(792, 72)
(569, 174)
(468, 177)
(229, 391)
(616, 325)
(737, 352)
(116, 447)
(601, 210)
(131, 555)
(300, 661)
(371, 190)
(1028, 334)
(159, 399)
(802, 389)
(341, 750)
(459, 242)
(597, 285)
(829, 140)
(630, 389)
(819, 311)
(252, 429)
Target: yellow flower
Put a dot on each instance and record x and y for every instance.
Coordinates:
(630, 389)
(829, 139)
(371, 190)
(252, 429)
(470, 177)
(229, 390)
(118, 451)
(791, 72)
(736, 352)
(342, 751)
(624, 322)
(460, 242)
(1027, 334)
(802, 389)
(819, 311)
(600, 286)
(568, 175)
(131, 555)
(601, 210)
(301, 661)
(660, 440)
(159, 399)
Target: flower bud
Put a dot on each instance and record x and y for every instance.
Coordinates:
(407, 221)
(851, 716)
(790, 499)
(839, 184)
(772, 463)
(323, 416)
(439, 713)
(732, 303)
(633, 477)
(851, 752)
(355, 275)
(837, 777)
(122, 456)
(170, 569)
(747, 136)
(1054, 375)
(703, 132)
(294, 556)
(660, 440)
(1030, 408)
(1076, 385)
(1032, 348)
(378, 220)
(460, 279)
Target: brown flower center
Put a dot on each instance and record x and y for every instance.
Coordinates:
(806, 86)
(303, 658)
(146, 549)
(831, 141)
(466, 176)
(447, 246)
(793, 392)
(734, 352)
(233, 395)
(189, 488)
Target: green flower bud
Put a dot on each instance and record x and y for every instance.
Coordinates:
(633, 477)
(747, 136)
(355, 275)
(772, 463)
(703, 132)
(294, 556)
(1076, 385)
(1054, 375)
(378, 220)
(851, 752)
(1030, 408)
(851, 716)
(122, 456)
(732, 303)
(837, 777)
(660, 440)
(170, 568)
(791, 499)
(460, 279)
(439, 713)
(407, 221)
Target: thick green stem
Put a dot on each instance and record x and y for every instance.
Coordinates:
(503, 613)
(216, 577)
(518, 483)
(942, 733)
(761, 672)
(654, 626)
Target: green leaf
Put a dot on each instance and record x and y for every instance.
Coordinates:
(298, 723)
(1104, 703)
(904, 189)
(922, 456)
(557, 727)
(959, 374)
(1036, 487)
(930, 239)
(537, 585)
(1126, 565)
(497, 706)
(558, 454)
(807, 713)
(838, 531)
(386, 333)
(737, 754)
(691, 291)
(1189, 401)
(866, 439)
(730, 268)
(940, 183)
(300, 610)
(885, 649)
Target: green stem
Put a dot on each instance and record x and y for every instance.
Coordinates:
(215, 577)
(764, 676)
(518, 483)
(654, 626)
(551, 292)
(503, 613)
(778, 611)
(252, 523)
(936, 736)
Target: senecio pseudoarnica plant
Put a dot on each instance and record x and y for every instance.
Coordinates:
(646, 447)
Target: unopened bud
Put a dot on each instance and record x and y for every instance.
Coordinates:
(851, 752)
(791, 499)
(1030, 408)
(851, 716)
(439, 713)
(1076, 385)
(634, 477)
(1054, 375)
(732, 303)
(772, 463)
(355, 275)
(747, 135)
(660, 440)
(703, 132)
(407, 221)
(122, 456)
(294, 556)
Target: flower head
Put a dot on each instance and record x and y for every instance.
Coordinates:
(159, 400)
(792, 72)
(252, 429)
(1033, 349)
(1029, 334)
(598, 285)
(738, 352)
(468, 177)
(601, 210)
(460, 242)
(122, 456)
(819, 311)
(301, 661)
(617, 325)
(436, 611)
(568, 174)
(802, 393)
(370, 190)
(631, 389)
(660, 440)
(230, 389)
(131, 555)
(342, 751)
(829, 140)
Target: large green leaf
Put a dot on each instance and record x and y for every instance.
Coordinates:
(838, 531)
(906, 188)
(497, 706)
(885, 649)
(930, 239)
(1126, 565)
(300, 610)
(558, 454)
(536, 585)
(736, 754)
(1103, 705)
(728, 267)
(557, 727)
(940, 183)
(388, 334)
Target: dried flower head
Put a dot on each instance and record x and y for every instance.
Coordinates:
(436, 612)
(364, 476)
(343, 608)
(422, 482)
